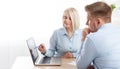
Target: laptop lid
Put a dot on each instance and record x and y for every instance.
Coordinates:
(31, 45)
(40, 59)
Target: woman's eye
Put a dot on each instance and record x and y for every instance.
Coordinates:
(69, 18)
(65, 17)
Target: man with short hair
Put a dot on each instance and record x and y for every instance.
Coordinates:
(101, 44)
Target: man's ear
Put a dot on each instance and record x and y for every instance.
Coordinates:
(99, 22)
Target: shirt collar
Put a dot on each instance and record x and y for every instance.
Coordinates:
(65, 32)
(107, 25)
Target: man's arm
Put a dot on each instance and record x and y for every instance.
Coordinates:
(87, 54)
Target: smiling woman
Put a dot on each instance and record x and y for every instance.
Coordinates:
(66, 40)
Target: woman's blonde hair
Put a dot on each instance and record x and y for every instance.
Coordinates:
(74, 17)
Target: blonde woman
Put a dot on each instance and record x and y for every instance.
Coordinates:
(66, 41)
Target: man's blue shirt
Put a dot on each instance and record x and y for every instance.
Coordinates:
(102, 48)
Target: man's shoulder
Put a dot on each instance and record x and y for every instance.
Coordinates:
(104, 33)
(95, 35)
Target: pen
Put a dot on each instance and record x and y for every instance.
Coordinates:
(36, 47)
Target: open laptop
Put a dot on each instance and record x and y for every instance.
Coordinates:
(41, 59)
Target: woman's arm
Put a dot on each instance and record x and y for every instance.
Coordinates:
(53, 42)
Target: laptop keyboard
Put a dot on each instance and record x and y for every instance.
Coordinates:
(45, 60)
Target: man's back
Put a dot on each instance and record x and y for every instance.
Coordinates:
(107, 44)
(102, 45)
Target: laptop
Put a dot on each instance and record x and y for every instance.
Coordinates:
(41, 59)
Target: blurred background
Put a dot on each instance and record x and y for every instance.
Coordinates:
(22, 19)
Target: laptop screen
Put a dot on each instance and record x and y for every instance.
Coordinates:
(33, 50)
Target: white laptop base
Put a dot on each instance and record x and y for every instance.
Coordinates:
(51, 61)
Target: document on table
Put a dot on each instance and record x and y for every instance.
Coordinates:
(72, 63)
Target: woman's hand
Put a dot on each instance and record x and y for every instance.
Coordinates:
(42, 48)
(68, 55)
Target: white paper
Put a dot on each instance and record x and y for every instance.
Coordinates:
(72, 63)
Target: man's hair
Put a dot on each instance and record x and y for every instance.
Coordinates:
(74, 17)
(100, 9)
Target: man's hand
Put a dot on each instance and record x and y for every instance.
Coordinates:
(85, 32)
(90, 67)
(68, 55)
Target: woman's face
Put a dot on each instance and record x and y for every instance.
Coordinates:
(67, 23)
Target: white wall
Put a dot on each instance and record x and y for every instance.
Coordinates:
(21, 19)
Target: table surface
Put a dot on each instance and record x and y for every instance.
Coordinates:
(26, 63)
